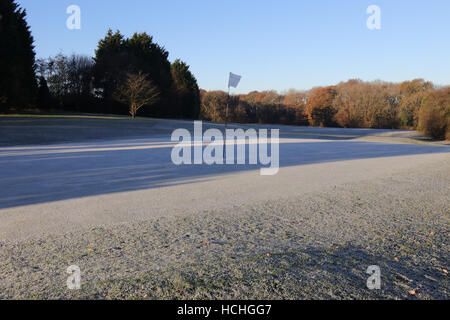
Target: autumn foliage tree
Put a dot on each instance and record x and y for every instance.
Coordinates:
(411, 96)
(296, 100)
(434, 114)
(320, 108)
(213, 105)
(366, 104)
(349, 104)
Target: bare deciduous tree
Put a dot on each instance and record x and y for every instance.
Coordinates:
(137, 91)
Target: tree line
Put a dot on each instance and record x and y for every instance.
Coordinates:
(125, 75)
(133, 75)
(105, 83)
(415, 104)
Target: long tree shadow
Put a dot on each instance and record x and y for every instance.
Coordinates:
(31, 175)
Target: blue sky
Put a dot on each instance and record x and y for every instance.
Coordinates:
(272, 44)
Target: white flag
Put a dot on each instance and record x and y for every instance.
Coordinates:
(234, 80)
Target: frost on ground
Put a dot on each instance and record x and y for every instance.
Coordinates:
(140, 227)
(316, 245)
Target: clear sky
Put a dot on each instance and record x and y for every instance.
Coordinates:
(276, 44)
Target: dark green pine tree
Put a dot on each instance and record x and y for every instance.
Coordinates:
(116, 56)
(17, 57)
(44, 98)
(186, 90)
(111, 64)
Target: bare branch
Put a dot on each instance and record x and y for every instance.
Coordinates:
(137, 92)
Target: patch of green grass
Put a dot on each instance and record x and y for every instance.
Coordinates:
(71, 116)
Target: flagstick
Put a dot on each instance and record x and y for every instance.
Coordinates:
(226, 122)
(233, 81)
(228, 100)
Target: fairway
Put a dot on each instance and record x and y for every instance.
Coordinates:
(102, 193)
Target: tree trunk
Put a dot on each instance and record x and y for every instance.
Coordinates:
(133, 111)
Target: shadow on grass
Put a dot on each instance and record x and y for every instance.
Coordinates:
(312, 273)
(35, 174)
